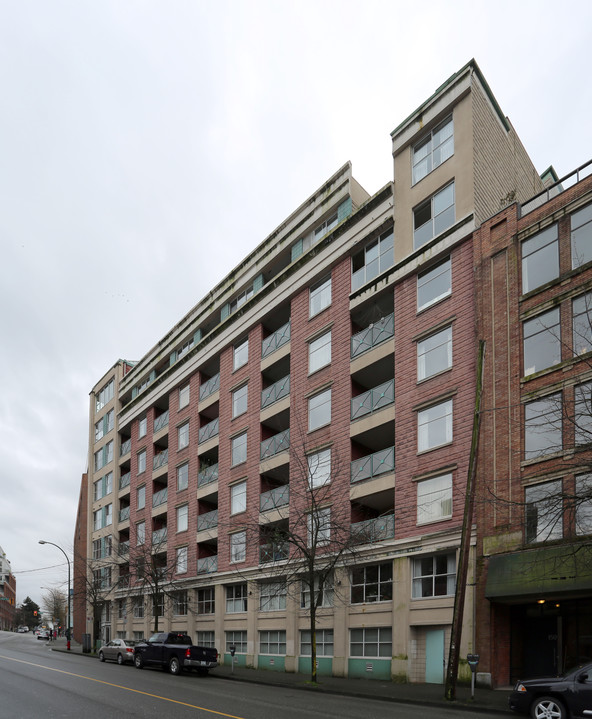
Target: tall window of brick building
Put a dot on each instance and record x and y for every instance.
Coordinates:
(542, 341)
(581, 237)
(540, 259)
(434, 285)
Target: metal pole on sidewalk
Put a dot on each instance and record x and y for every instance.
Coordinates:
(42, 541)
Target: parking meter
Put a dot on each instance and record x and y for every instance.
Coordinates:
(232, 648)
(473, 660)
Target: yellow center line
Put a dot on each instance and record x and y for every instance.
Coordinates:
(118, 686)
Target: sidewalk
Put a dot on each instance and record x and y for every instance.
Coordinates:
(426, 694)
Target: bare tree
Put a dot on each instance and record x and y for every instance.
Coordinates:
(55, 603)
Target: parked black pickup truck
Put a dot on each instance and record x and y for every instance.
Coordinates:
(175, 652)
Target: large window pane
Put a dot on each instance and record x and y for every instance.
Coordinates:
(542, 342)
(434, 354)
(544, 512)
(434, 426)
(542, 427)
(540, 259)
(581, 236)
(434, 285)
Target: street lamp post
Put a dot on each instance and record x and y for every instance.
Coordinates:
(42, 541)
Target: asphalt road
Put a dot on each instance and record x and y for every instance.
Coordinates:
(36, 683)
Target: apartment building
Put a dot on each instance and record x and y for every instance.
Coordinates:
(339, 356)
(7, 594)
(534, 509)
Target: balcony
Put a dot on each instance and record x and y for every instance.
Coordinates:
(374, 530)
(124, 514)
(161, 422)
(209, 430)
(276, 444)
(372, 465)
(124, 548)
(274, 552)
(126, 447)
(160, 459)
(373, 400)
(207, 475)
(373, 335)
(207, 565)
(160, 497)
(274, 498)
(124, 480)
(278, 339)
(209, 387)
(207, 520)
(159, 536)
(278, 390)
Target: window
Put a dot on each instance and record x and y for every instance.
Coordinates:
(182, 518)
(181, 563)
(239, 400)
(238, 449)
(141, 497)
(433, 216)
(105, 395)
(138, 608)
(434, 354)
(272, 642)
(319, 297)
(542, 427)
(583, 414)
(434, 426)
(272, 596)
(183, 435)
(103, 486)
(238, 498)
(182, 476)
(433, 150)
(238, 547)
(540, 259)
(141, 461)
(103, 456)
(584, 504)
(240, 299)
(324, 643)
(544, 511)
(102, 548)
(581, 237)
(542, 342)
(104, 425)
(236, 598)
(238, 640)
(102, 578)
(241, 354)
(319, 527)
(142, 427)
(185, 347)
(180, 604)
(206, 601)
(582, 324)
(376, 257)
(323, 592)
(319, 410)
(206, 639)
(140, 533)
(319, 352)
(183, 396)
(103, 517)
(434, 499)
(373, 583)
(319, 468)
(121, 612)
(434, 576)
(158, 605)
(371, 642)
(434, 285)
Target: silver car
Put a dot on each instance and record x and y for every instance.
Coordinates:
(119, 650)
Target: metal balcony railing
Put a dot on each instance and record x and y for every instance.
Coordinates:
(556, 188)
(124, 514)
(276, 340)
(161, 421)
(209, 430)
(124, 548)
(274, 498)
(207, 520)
(372, 400)
(207, 475)
(124, 480)
(274, 552)
(374, 530)
(209, 386)
(373, 465)
(278, 443)
(160, 497)
(275, 392)
(207, 565)
(159, 536)
(373, 335)
(125, 447)
(160, 459)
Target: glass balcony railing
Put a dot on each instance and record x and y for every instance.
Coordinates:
(209, 386)
(124, 514)
(372, 400)
(275, 392)
(274, 552)
(159, 536)
(208, 520)
(207, 475)
(274, 498)
(161, 421)
(207, 565)
(124, 548)
(124, 480)
(160, 459)
(278, 443)
(159, 497)
(373, 465)
(373, 335)
(374, 530)
(276, 340)
(209, 430)
(125, 447)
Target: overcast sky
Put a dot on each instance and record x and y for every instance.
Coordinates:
(146, 146)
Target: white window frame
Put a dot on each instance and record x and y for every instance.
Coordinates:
(434, 499)
(364, 640)
(238, 497)
(428, 278)
(182, 476)
(429, 576)
(319, 468)
(183, 436)
(319, 297)
(437, 419)
(238, 449)
(325, 590)
(141, 497)
(206, 600)
(140, 534)
(182, 518)
(236, 598)
(272, 642)
(436, 349)
(440, 219)
(240, 400)
(236, 638)
(432, 150)
(238, 547)
(184, 396)
(319, 409)
(141, 461)
(319, 526)
(377, 256)
(272, 596)
(319, 352)
(241, 354)
(181, 560)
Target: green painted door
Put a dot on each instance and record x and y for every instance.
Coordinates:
(434, 656)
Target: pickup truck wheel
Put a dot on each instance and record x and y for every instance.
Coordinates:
(174, 666)
(101, 657)
(138, 661)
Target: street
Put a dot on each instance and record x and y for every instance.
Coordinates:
(36, 682)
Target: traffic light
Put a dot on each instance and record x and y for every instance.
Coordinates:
(35, 612)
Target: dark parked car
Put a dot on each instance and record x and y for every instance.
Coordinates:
(120, 650)
(175, 652)
(561, 697)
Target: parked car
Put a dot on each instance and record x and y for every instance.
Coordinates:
(175, 652)
(119, 650)
(43, 634)
(569, 695)
(23, 630)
